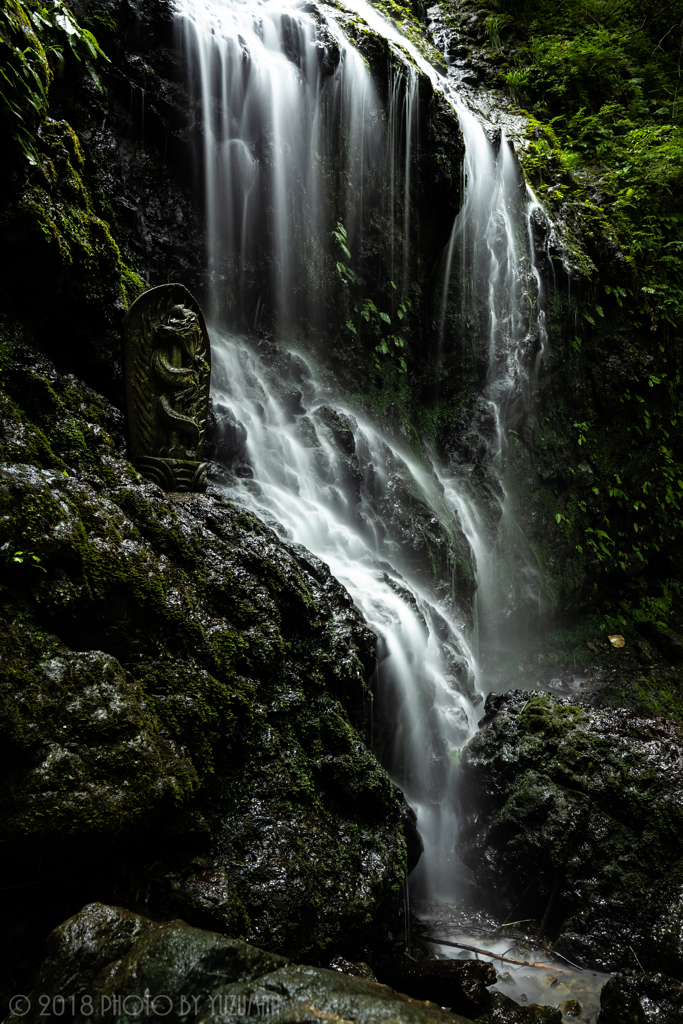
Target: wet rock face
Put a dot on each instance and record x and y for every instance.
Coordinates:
(114, 196)
(137, 136)
(182, 697)
(106, 958)
(641, 999)
(226, 439)
(573, 815)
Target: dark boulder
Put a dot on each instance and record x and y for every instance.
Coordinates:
(665, 640)
(574, 817)
(460, 986)
(356, 968)
(506, 1011)
(641, 999)
(226, 436)
(183, 700)
(107, 963)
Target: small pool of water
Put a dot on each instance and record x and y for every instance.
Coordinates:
(575, 992)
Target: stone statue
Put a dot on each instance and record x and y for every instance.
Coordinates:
(167, 368)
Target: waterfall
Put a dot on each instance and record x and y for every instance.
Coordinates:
(295, 141)
(490, 262)
(491, 259)
(284, 103)
(330, 480)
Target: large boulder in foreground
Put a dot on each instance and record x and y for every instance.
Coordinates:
(574, 817)
(109, 964)
(183, 705)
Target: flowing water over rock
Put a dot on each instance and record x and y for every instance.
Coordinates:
(294, 141)
(334, 483)
(492, 282)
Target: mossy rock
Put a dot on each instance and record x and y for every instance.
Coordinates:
(573, 816)
(174, 672)
(105, 956)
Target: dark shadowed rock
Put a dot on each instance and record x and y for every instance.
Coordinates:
(183, 699)
(356, 968)
(665, 640)
(641, 999)
(506, 1011)
(452, 983)
(414, 842)
(226, 436)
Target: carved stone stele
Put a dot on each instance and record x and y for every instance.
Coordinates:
(167, 370)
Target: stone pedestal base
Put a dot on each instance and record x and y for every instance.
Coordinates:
(173, 474)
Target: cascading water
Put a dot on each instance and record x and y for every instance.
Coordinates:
(294, 141)
(283, 102)
(293, 138)
(332, 482)
(491, 277)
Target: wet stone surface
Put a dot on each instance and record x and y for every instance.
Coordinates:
(460, 986)
(632, 998)
(173, 671)
(563, 798)
(557, 986)
(109, 961)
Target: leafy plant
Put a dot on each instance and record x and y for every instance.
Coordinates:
(35, 36)
(29, 557)
(367, 319)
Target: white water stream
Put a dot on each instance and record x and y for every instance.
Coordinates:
(292, 132)
(345, 502)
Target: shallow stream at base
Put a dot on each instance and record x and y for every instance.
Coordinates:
(559, 986)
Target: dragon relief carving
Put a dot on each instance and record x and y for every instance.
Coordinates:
(167, 368)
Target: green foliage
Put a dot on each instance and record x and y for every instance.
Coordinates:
(35, 37)
(605, 146)
(602, 84)
(366, 320)
(50, 210)
(29, 557)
